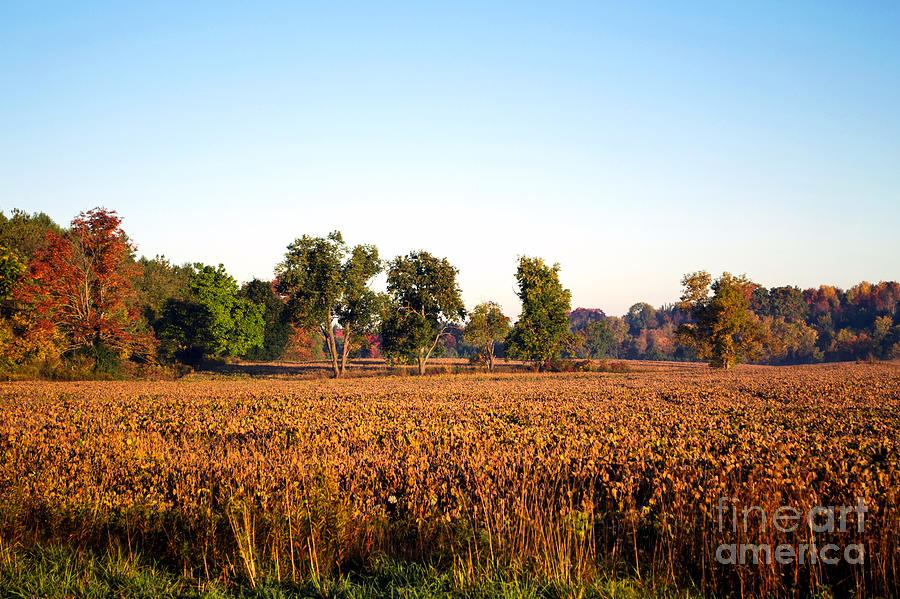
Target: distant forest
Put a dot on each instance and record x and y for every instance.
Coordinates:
(79, 299)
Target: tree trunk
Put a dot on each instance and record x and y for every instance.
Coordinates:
(332, 350)
(345, 351)
(491, 361)
(423, 357)
(422, 361)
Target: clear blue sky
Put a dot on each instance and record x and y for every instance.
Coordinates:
(631, 143)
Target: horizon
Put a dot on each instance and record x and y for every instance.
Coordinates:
(630, 144)
(379, 280)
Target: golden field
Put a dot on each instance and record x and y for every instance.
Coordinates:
(565, 476)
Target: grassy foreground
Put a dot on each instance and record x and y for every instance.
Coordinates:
(62, 572)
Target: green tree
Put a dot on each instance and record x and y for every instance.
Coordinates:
(641, 316)
(277, 331)
(424, 300)
(542, 330)
(599, 339)
(487, 327)
(327, 284)
(159, 281)
(360, 306)
(182, 330)
(214, 321)
(724, 330)
(26, 233)
(235, 324)
(780, 302)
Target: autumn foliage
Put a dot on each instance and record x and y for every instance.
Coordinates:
(80, 287)
(70, 298)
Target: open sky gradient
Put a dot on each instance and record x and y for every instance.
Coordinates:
(630, 142)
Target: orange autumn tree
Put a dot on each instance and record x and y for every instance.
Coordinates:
(80, 286)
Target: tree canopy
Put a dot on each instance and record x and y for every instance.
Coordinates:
(277, 329)
(71, 297)
(327, 284)
(26, 233)
(599, 339)
(487, 327)
(80, 282)
(11, 271)
(424, 300)
(542, 330)
(214, 320)
(724, 329)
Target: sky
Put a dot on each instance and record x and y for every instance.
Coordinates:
(629, 142)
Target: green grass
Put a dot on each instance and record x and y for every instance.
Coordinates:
(62, 572)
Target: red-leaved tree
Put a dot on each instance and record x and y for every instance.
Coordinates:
(80, 284)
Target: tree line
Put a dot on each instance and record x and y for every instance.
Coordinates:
(78, 300)
(784, 324)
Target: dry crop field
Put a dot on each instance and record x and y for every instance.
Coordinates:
(565, 477)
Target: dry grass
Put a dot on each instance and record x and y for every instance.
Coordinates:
(565, 476)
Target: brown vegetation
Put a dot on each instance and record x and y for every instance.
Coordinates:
(563, 475)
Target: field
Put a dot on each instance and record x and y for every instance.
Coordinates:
(605, 484)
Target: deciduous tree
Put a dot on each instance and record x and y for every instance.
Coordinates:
(80, 283)
(641, 316)
(326, 284)
(599, 339)
(277, 328)
(487, 327)
(26, 233)
(424, 300)
(360, 306)
(541, 332)
(214, 320)
(11, 270)
(724, 329)
(159, 281)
